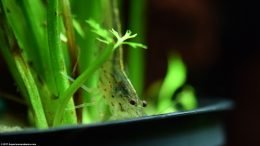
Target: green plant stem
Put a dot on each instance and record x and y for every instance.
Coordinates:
(57, 58)
(73, 51)
(85, 10)
(116, 17)
(70, 35)
(136, 60)
(6, 37)
(33, 21)
(20, 71)
(31, 86)
(55, 51)
(66, 96)
(14, 14)
(35, 16)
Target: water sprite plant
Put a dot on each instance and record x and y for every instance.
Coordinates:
(66, 57)
(45, 57)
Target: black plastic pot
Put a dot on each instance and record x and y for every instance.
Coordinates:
(200, 127)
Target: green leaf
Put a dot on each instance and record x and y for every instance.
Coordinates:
(96, 28)
(78, 28)
(115, 33)
(135, 45)
(187, 98)
(128, 35)
(175, 78)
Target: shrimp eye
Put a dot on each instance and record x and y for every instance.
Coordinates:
(144, 103)
(132, 102)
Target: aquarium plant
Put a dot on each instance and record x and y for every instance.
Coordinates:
(66, 58)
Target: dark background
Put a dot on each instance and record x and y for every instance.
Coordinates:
(219, 42)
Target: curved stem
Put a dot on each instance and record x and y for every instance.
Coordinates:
(57, 57)
(34, 96)
(70, 35)
(66, 96)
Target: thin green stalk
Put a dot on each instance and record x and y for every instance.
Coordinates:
(57, 57)
(5, 52)
(136, 57)
(6, 40)
(85, 10)
(55, 51)
(72, 49)
(31, 86)
(66, 96)
(68, 23)
(14, 14)
(35, 16)
(33, 21)
(116, 17)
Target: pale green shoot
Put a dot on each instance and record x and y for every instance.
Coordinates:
(107, 36)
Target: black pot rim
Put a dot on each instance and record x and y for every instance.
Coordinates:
(206, 106)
